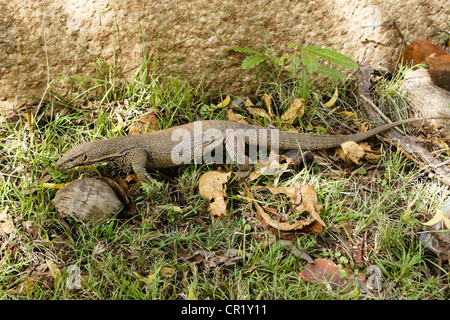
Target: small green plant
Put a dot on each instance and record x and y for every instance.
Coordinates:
(299, 62)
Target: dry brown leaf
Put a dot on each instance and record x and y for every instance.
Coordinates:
(212, 187)
(309, 203)
(248, 102)
(232, 116)
(283, 230)
(305, 198)
(257, 112)
(351, 152)
(268, 103)
(295, 111)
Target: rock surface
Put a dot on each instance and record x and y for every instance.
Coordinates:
(42, 40)
(427, 99)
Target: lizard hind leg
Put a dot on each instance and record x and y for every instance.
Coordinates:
(139, 164)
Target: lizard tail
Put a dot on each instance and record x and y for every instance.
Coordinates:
(316, 142)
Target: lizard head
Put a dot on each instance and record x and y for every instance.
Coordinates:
(77, 156)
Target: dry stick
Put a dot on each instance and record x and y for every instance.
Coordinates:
(374, 106)
(442, 173)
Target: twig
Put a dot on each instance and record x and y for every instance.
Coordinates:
(394, 24)
(374, 106)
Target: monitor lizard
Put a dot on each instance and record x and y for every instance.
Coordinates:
(155, 149)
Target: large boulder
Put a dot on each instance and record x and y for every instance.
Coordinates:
(42, 40)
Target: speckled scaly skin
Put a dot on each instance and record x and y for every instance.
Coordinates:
(154, 149)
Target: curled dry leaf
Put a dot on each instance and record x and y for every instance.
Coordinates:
(295, 111)
(304, 198)
(309, 203)
(285, 230)
(268, 102)
(257, 112)
(232, 116)
(351, 152)
(212, 187)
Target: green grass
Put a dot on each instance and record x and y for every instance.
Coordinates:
(159, 238)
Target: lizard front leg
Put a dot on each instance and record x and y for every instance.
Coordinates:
(139, 162)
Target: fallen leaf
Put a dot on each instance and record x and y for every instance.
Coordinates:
(283, 230)
(324, 270)
(352, 152)
(191, 292)
(438, 217)
(232, 116)
(268, 103)
(48, 185)
(309, 203)
(349, 114)
(167, 272)
(120, 123)
(224, 103)
(257, 112)
(304, 198)
(295, 111)
(54, 270)
(150, 278)
(439, 142)
(212, 187)
(248, 102)
(333, 99)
